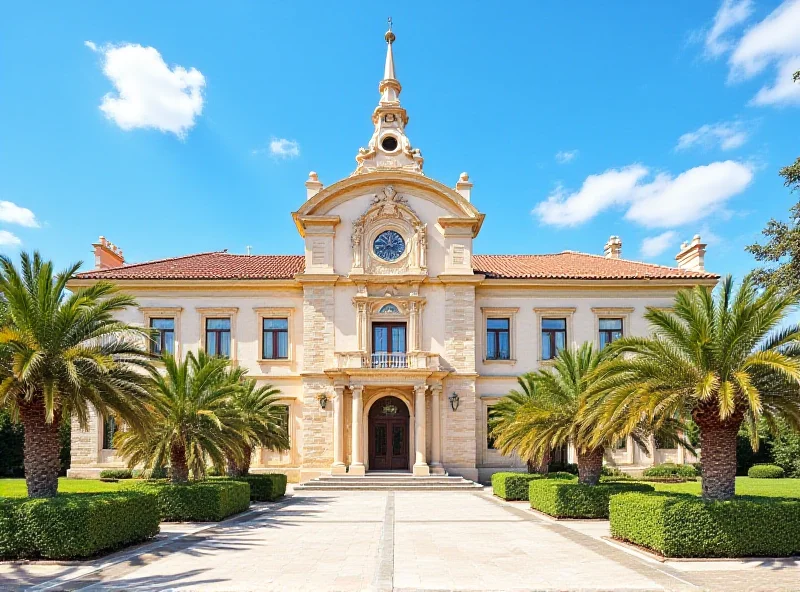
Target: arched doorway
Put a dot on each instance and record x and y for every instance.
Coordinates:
(388, 434)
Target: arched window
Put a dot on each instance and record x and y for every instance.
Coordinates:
(389, 309)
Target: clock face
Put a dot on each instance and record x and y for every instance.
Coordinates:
(389, 245)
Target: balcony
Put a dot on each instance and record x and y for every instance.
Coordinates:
(388, 361)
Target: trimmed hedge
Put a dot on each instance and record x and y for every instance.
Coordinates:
(671, 470)
(558, 467)
(562, 475)
(687, 526)
(570, 499)
(200, 501)
(78, 525)
(116, 474)
(766, 472)
(266, 487)
(512, 486)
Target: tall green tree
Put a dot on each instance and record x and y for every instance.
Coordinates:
(61, 355)
(259, 423)
(721, 359)
(191, 418)
(782, 249)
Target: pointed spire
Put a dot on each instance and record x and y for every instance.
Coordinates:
(389, 148)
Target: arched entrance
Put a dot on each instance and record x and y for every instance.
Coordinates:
(388, 435)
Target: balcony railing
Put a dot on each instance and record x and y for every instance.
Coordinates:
(389, 360)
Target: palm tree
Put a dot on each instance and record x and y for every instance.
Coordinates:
(259, 424)
(192, 420)
(550, 412)
(503, 413)
(62, 354)
(720, 361)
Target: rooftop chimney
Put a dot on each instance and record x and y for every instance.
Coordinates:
(692, 255)
(464, 187)
(107, 255)
(313, 186)
(613, 248)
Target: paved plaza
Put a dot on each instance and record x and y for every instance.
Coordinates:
(393, 541)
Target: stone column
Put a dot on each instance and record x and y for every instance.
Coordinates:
(356, 454)
(420, 466)
(338, 467)
(436, 437)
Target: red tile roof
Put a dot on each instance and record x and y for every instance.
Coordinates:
(217, 265)
(220, 265)
(576, 266)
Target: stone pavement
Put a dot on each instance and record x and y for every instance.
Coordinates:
(399, 541)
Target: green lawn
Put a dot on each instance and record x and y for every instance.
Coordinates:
(16, 487)
(744, 486)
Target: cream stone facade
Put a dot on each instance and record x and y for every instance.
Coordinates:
(388, 353)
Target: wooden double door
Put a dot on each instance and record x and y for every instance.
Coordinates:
(388, 435)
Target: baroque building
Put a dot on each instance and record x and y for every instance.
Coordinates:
(389, 338)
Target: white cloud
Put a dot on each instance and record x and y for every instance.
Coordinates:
(785, 91)
(8, 239)
(283, 148)
(727, 134)
(653, 246)
(148, 93)
(91, 45)
(565, 156)
(731, 13)
(773, 39)
(664, 202)
(14, 214)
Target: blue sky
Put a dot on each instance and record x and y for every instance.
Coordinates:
(651, 121)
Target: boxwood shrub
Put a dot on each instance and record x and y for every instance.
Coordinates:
(78, 525)
(200, 501)
(766, 472)
(570, 499)
(116, 474)
(512, 486)
(671, 470)
(562, 475)
(266, 487)
(687, 526)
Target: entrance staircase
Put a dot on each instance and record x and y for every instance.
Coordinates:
(389, 481)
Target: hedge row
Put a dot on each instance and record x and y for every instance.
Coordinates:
(514, 486)
(570, 499)
(687, 526)
(266, 487)
(72, 526)
(203, 501)
(116, 474)
(766, 472)
(671, 470)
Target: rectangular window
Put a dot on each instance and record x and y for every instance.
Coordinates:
(282, 414)
(218, 337)
(554, 337)
(109, 429)
(275, 339)
(489, 438)
(610, 331)
(621, 444)
(163, 339)
(497, 339)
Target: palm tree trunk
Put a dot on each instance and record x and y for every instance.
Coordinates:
(590, 465)
(178, 468)
(237, 468)
(42, 446)
(718, 452)
(542, 468)
(247, 451)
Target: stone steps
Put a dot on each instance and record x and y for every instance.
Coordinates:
(388, 482)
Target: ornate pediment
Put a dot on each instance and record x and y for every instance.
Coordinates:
(389, 238)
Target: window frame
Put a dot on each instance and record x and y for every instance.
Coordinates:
(505, 313)
(164, 312)
(550, 335)
(229, 313)
(161, 332)
(273, 312)
(611, 312)
(553, 312)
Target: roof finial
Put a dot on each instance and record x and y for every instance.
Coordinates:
(388, 71)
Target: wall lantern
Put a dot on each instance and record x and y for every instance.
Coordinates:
(454, 400)
(323, 400)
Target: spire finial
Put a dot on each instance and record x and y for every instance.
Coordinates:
(388, 71)
(389, 35)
